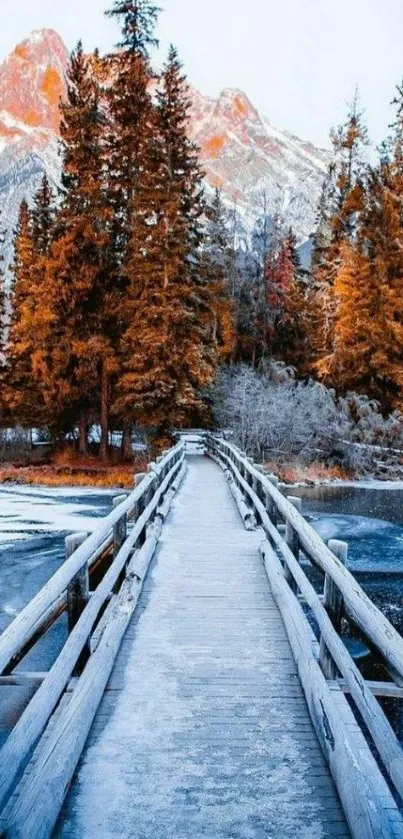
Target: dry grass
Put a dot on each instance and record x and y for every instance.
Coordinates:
(65, 470)
(300, 473)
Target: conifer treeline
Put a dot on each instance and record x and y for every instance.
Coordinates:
(129, 288)
(357, 305)
(120, 310)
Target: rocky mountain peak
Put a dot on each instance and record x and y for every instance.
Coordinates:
(32, 80)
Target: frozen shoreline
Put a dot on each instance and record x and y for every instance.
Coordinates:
(361, 483)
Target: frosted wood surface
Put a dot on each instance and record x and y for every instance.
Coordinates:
(203, 730)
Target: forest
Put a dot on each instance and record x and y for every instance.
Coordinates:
(138, 306)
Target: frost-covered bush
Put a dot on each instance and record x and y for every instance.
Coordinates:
(273, 416)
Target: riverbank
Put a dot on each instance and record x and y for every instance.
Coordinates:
(309, 475)
(79, 475)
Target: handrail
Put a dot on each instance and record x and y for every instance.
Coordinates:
(361, 610)
(261, 495)
(29, 621)
(121, 585)
(34, 718)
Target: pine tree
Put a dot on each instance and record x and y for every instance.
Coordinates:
(171, 353)
(82, 357)
(130, 147)
(339, 212)
(216, 266)
(368, 352)
(138, 19)
(3, 303)
(286, 302)
(23, 397)
(43, 216)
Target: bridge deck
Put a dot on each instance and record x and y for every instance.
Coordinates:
(204, 730)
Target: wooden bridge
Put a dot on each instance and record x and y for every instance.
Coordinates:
(203, 689)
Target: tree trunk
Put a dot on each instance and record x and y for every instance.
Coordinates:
(127, 445)
(83, 435)
(104, 414)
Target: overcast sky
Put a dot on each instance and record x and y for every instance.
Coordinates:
(297, 60)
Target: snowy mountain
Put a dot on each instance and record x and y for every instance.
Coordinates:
(253, 163)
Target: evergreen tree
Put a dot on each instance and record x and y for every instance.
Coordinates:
(23, 397)
(368, 352)
(3, 304)
(171, 353)
(339, 212)
(131, 152)
(286, 302)
(43, 216)
(216, 267)
(138, 19)
(78, 283)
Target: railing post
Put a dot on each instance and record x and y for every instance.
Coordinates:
(270, 504)
(78, 594)
(248, 476)
(260, 491)
(334, 605)
(120, 528)
(292, 539)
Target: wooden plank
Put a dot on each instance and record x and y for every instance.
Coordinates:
(78, 597)
(292, 539)
(23, 678)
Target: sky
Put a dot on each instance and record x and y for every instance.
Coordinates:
(298, 61)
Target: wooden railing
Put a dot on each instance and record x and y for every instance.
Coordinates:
(326, 668)
(97, 621)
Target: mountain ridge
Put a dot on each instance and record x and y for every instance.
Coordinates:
(242, 153)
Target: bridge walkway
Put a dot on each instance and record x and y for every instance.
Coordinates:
(204, 732)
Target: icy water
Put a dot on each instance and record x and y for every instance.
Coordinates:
(34, 522)
(370, 519)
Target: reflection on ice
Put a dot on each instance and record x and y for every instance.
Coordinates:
(374, 544)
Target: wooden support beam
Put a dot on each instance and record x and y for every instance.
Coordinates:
(382, 689)
(22, 679)
(334, 605)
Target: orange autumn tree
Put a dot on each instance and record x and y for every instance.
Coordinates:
(337, 221)
(171, 352)
(130, 147)
(21, 392)
(287, 316)
(79, 365)
(30, 311)
(368, 346)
